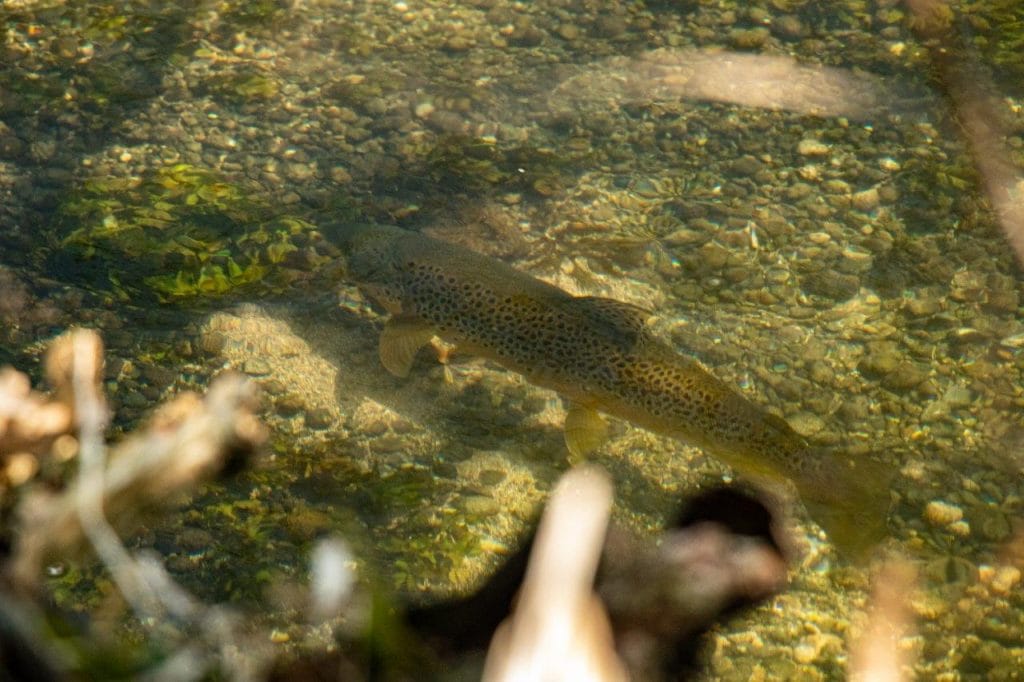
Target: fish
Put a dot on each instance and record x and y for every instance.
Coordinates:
(601, 356)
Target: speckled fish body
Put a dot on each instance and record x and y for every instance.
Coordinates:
(598, 354)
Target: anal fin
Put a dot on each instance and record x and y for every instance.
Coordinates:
(585, 431)
(400, 340)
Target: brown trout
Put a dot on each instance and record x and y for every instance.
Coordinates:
(600, 356)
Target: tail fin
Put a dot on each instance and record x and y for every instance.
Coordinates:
(849, 498)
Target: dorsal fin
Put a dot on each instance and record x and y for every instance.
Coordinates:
(623, 321)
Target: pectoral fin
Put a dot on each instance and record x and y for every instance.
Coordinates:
(585, 431)
(400, 340)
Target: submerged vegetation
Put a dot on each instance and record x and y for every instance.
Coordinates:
(181, 232)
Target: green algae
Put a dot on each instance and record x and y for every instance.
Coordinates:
(184, 232)
(240, 86)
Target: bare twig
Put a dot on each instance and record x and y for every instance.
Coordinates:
(877, 656)
(189, 440)
(972, 95)
(559, 630)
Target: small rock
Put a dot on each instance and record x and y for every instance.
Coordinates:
(906, 376)
(714, 255)
(747, 166)
(881, 359)
(805, 652)
(799, 190)
(806, 424)
(213, 342)
(527, 36)
(789, 26)
(480, 505)
(569, 31)
(922, 307)
(1002, 301)
(256, 367)
(458, 43)
(135, 400)
(423, 109)
(340, 175)
(939, 513)
(957, 396)
(992, 524)
(1005, 578)
(320, 418)
(746, 39)
(834, 285)
(609, 26)
(865, 201)
(491, 477)
(194, 539)
(811, 147)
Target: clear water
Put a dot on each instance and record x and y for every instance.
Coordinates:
(819, 237)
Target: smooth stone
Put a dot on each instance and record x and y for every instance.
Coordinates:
(812, 147)
(480, 505)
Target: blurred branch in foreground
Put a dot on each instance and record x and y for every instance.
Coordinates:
(659, 597)
(189, 440)
(753, 80)
(972, 94)
(559, 629)
(878, 654)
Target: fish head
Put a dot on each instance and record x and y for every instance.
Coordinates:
(371, 252)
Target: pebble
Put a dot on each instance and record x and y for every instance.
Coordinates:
(940, 513)
(1002, 301)
(748, 38)
(922, 307)
(480, 505)
(256, 367)
(319, 418)
(834, 285)
(747, 166)
(799, 190)
(991, 523)
(135, 400)
(957, 396)
(713, 255)
(881, 359)
(527, 36)
(907, 375)
(609, 26)
(865, 201)
(806, 423)
(458, 43)
(789, 26)
(812, 147)
(340, 175)
(1005, 578)
(194, 539)
(569, 31)
(805, 652)
(491, 477)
